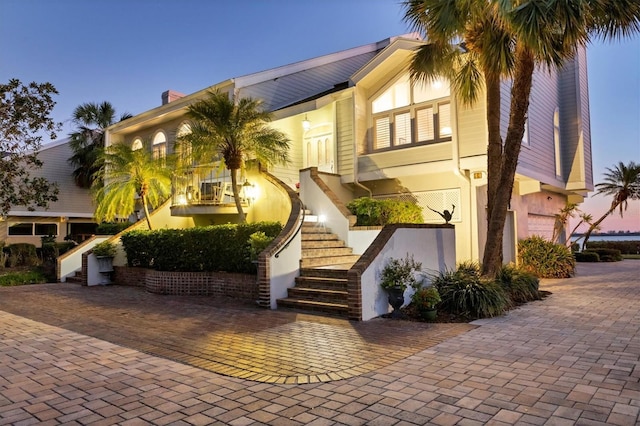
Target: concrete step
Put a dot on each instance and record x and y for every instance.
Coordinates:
(319, 236)
(322, 283)
(329, 261)
(324, 272)
(77, 279)
(318, 295)
(315, 228)
(313, 244)
(337, 309)
(325, 252)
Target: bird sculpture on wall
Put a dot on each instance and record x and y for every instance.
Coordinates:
(446, 215)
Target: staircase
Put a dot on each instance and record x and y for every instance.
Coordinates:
(322, 284)
(77, 278)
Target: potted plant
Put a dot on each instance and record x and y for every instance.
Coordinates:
(396, 276)
(105, 252)
(425, 300)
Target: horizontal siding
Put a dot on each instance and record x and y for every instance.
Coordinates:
(404, 157)
(537, 159)
(345, 136)
(56, 168)
(472, 129)
(585, 117)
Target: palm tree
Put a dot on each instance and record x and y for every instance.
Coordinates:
(622, 182)
(129, 173)
(478, 43)
(87, 142)
(233, 130)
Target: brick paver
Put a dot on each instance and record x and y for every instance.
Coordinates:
(107, 355)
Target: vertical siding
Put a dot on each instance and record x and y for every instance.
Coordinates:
(345, 136)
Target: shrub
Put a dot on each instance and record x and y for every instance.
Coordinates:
(625, 247)
(586, 256)
(607, 254)
(209, 248)
(22, 278)
(375, 212)
(465, 292)
(520, 286)
(258, 241)
(545, 259)
(22, 254)
(112, 228)
(426, 297)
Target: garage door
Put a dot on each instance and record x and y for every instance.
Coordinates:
(541, 226)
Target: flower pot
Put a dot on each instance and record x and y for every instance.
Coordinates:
(395, 295)
(428, 314)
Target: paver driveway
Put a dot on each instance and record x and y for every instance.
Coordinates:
(572, 358)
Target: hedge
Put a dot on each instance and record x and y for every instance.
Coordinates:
(211, 248)
(376, 212)
(625, 247)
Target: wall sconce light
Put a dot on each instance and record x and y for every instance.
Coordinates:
(477, 175)
(306, 124)
(250, 191)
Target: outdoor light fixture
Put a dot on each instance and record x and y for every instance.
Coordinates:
(306, 124)
(250, 191)
(322, 218)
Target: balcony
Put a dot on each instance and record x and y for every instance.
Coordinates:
(206, 193)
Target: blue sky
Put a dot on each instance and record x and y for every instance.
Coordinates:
(129, 51)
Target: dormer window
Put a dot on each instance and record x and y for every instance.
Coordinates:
(405, 114)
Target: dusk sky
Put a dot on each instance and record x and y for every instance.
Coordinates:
(128, 52)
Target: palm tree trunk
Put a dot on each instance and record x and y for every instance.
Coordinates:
(236, 195)
(595, 224)
(494, 147)
(146, 211)
(522, 80)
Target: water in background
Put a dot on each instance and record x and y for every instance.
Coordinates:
(610, 237)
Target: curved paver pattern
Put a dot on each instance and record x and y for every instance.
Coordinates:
(226, 336)
(571, 359)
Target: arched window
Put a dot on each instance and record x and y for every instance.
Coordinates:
(136, 144)
(186, 152)
(159, 145)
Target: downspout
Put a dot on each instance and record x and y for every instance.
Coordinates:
(455, 153)
(355, 151)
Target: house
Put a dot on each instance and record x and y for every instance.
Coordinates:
(70, 215)
(359, 127)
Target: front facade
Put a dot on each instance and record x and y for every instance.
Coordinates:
(71, 215)
(356, 115)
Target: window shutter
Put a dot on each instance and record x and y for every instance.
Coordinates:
(402, 134)
(383, 138)
(444, 118)
(425, 129)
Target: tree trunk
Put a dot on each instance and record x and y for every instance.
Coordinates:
(595, 224)
(236, 195)
(494, 147)
(146, 211)
(497, 216)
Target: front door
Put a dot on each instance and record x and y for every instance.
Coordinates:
(319, 152)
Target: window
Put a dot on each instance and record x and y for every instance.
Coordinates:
(159, 146)
(405, 114)
(556, 142)
(186, 150)
(21, 229)
(136, 145)
(46, 229)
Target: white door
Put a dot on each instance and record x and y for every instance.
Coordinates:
(319, 152)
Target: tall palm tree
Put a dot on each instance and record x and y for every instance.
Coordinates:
(87, 141)
(478, 43)
(622, 182)
(233, 130)
(129, 173)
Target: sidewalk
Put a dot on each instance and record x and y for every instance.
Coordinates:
(569, 359)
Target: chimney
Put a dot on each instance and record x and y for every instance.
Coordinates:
(170, 96)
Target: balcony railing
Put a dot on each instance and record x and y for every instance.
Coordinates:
(198, 187)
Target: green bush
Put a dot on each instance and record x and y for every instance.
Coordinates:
(586, 256)
(465, 292)
(545, 259)
(607, 254)
(258, 241)
(520, 286)
(22, 254)
(22, 278)
(625, 247)
(375, 212)
(112, 228)
(211, 248)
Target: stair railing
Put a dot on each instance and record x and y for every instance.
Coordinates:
(284, 247)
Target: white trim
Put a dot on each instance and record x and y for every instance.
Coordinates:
(47, 214)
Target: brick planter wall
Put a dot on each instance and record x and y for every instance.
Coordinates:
(239, 286)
